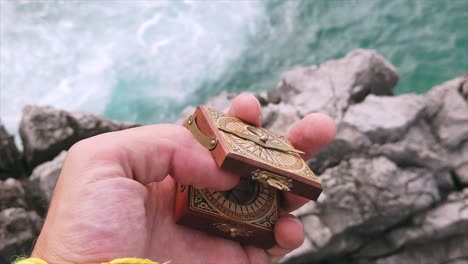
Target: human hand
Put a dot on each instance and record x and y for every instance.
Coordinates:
(113, 198)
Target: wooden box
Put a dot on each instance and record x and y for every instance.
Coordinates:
(267, 163)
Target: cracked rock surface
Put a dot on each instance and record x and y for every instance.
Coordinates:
(46, 131)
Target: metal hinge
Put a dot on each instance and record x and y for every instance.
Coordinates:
(208, 142)
(274, 180)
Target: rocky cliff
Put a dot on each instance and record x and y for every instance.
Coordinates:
(395, 178)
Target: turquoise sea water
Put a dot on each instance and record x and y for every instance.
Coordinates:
(144, 61)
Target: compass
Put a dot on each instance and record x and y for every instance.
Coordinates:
(267, 164)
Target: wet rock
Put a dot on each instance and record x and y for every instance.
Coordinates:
(11, 162)
(46, 131)
(18, 229)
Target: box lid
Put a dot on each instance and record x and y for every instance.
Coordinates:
(254, 152)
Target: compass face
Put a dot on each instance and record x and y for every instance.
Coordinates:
(249, 201)
(245, 193)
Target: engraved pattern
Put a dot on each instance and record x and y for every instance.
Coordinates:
(286, 161)
(251, 212)
(267, 222)
(200, 202)
(263, 215)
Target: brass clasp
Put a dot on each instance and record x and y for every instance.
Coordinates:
(208, 142)
(274, 180)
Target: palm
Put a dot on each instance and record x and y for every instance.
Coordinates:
(168, 240)
(145, 227)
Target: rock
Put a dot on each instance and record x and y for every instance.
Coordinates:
(451, 122)
(262, 98)
(348, 141)
(11, 194)
(18, 229)
(46, 131)
(447, 220)
(11, 162)
(458, 159)
(87, 125)
(464, 87)
(449, 113)
(279, 117)
(363, 197)
(333, 86)
(385, 119)
(450, 250)
(222, 101)
(45, 176)
(435, 96)
(374, 193)
(418, 148)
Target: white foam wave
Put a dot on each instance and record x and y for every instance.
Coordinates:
(73, 54)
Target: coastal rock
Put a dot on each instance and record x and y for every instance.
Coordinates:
(46, 131)
(451, 121)
(363, 197)
(449, 112)
(279, 117)
(450, 218)
(11, 162)
(87, 125)
(458, 159)
(18, 229)
(383, 118)
(464, 87)
(45, 176)
(12, 194)
(450, 250)
(334, 85)
(348, 141)
(447, 220)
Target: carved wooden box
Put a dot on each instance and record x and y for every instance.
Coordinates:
(267, 163)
